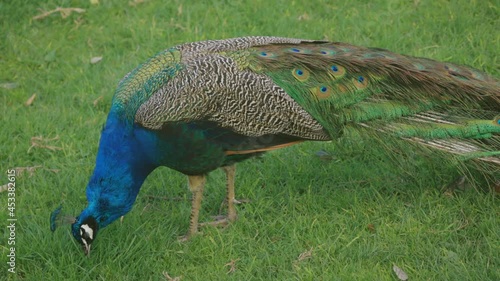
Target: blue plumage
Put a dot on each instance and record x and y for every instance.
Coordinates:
(54, 217)
(124, 160)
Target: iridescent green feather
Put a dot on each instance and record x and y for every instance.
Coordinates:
(138, 86)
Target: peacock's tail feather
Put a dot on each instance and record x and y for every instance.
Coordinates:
(442, 105)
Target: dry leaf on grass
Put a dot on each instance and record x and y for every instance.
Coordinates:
(168, 278)
(95, 60)
(8, 85)
(232, 266)
(30, 170)
(96, 101)
(41, 143)
(304, 16)
(400, 273)
(136, 2)
(65, 12)
(30, 100)
(303, 256)
(371, 228)
(4, 187)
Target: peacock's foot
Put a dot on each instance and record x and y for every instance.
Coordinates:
(219, 221)
(189, 235)
(224, 204)
(184, 238)
(225, 220)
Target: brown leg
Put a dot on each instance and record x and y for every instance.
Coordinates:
(231, 210)
(230, 174)
(196, 185)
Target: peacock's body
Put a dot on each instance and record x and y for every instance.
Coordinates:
(200, 106)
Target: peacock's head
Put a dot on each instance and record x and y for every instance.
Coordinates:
(84, 227)
(91, 220)
(85, 231)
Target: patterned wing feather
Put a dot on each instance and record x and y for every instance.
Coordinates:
(212, 86)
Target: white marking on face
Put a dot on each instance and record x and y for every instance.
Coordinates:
(85, 243)
(87, 229)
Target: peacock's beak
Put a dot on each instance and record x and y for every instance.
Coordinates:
(86, 249)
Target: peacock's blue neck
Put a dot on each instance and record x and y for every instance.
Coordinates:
(122, 165)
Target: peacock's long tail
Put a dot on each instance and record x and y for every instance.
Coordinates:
(442, 105)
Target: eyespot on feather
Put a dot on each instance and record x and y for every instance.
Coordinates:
(419, 66)
(450, 67)
(361, 82)
(336, 71)
(477, 75)
(300, 74)
(327, 52)
(299, 50)
(266, 54)
(322, 92)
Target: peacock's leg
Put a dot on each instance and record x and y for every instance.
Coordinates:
(196, 185)
(230, 175)
(231, 201)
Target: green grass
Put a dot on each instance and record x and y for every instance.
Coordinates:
(357, 214)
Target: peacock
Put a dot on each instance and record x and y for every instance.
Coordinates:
(205, 105)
